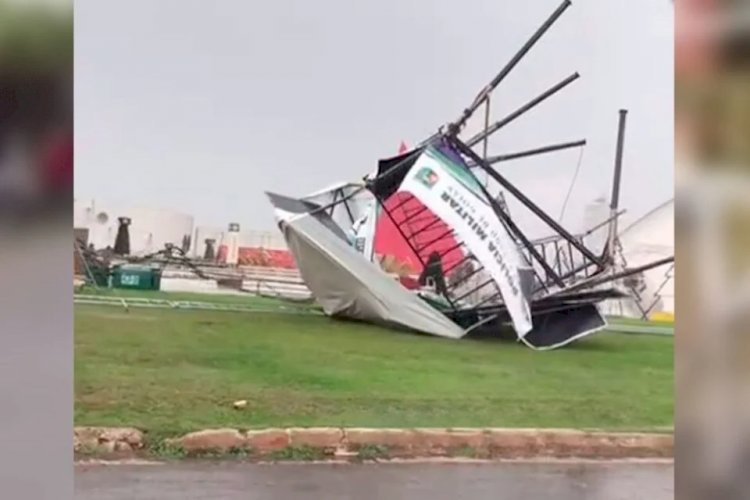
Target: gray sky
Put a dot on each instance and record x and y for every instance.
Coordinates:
(201, 106)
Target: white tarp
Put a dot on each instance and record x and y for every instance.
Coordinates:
(356, 215)
(646, 240)
(356, 204)
(453, 195)
(346, 284)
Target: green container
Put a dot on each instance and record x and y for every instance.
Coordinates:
(136, 277)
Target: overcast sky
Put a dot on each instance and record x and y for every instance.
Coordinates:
(201, 106)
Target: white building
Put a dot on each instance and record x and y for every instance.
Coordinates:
(150, 228)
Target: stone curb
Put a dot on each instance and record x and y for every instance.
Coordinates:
(420, 442)
(106, 439)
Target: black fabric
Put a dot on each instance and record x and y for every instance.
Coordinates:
(210, 252)
(553, 303)
(391, 173)
(186, 242)
(559, 327)
(297, 206)
(122, 240)
(548, 316)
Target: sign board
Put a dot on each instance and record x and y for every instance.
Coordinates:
(454, 195)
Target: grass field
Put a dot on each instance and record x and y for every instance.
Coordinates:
(640, 322)
(170, 371)
(246, 299)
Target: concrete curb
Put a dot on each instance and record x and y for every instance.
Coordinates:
(393, 443)
(106, 439)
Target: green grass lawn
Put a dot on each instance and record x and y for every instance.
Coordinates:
(244, 299)
(169, 371)
(639, 322)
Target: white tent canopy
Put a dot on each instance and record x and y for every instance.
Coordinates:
(648, 239)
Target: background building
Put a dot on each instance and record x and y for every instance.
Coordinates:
(150, 229)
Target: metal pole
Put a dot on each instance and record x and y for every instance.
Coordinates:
(323, 208)
(78, 247)
(486, 135)
(622, 274)
(532, 152)
(512, 189)
(615, 199)
(523, 109)
(499, 211)
(458, 124)
(603, 223)
(615, 202)
(401, 232)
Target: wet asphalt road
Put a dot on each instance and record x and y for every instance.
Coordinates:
(523, 481)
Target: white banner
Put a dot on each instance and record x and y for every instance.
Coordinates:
(364, 231)
(454, 195)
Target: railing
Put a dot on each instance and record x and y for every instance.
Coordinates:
(139, 302)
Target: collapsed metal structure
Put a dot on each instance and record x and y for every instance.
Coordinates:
(479, 271)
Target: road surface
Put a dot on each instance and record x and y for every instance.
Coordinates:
(237, 481)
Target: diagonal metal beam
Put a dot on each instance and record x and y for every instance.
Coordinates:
(536, 151)
(522, 110)
(512, 189)
(615, 199)
(622, 274)
(505, 217)
(400, 231)
(459, 123)
(425, 246)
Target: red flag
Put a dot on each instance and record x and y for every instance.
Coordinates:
(403, 148)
